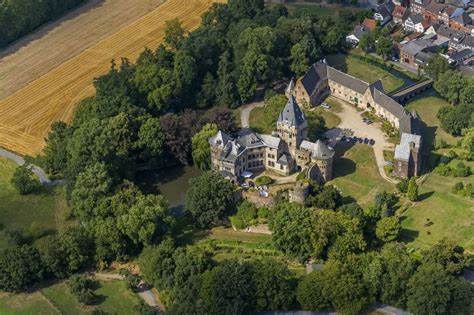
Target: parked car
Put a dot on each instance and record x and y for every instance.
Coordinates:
(325, 105)
(366, 140)
(360, 140)
(372, 142)
(245, 185)
(394, 58)
(343, 138)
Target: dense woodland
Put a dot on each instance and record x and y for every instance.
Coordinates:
(158, 112)
(18, 18)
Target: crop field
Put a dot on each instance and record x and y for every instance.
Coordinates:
(26, 116)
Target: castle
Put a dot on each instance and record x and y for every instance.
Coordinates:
(322, 80)
(285, 151)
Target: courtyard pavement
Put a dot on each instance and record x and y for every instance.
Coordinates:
(352, 119)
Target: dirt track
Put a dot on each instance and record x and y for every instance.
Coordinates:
(40, 52)
(25, 116)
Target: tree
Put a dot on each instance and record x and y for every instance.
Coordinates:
(316, 125)
(20, 267)
(299, 61)
(24, 180)
(449, 255)
(157, 264)
(384, 46)
(310, 293)
(209, 199)
(274, 288)
(412, 190)
(82, 288)
(328, 197)
(450, 84)
(226, 87)
(228, 288)
(402, 185)
(55, 150)
(207, 94)
(201, 149)
(388, 229)
(366, 42)
(174, 33)
(432, 290)
(436, 66)
(132, 280)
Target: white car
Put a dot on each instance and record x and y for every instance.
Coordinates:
(324, 105)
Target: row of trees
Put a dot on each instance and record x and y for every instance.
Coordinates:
(457, 90)
(18, 18)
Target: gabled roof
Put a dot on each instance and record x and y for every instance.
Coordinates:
(316, 73)
(415, 18)
(290, 87)
(347, 80)
(359, 31)
(270, 140)
(468, 41)
(399, 11)
(283, 159)
(291, 115)
(231, 151)
(385, 9)
(389, 104)
(463, 18)
(319, 150)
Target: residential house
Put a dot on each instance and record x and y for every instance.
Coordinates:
(419, 6)
(383, 12)
(411, 21)
(369, 24)
(354, 37)
(400, 14)
(441, 12)
(462, 23)
(416, 52)
(458, 57)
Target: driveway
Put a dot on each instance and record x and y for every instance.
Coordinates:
(352, 119)
(245, 113)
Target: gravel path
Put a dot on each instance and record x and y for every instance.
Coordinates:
(352, 119)
(245, 113)
(37, 170)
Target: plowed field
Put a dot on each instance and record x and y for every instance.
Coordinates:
(26, 116)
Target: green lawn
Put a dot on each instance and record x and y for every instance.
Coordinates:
(364, 71)
(263, 119)
(427, 108)
(114, 298)
(31, 213)
(356, 174)
(330, 117)
(25, 304)
(452, 215)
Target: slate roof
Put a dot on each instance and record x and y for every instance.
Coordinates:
(385, 9)
(416, 18)
(388, 104)
(221, 138)
(250, 140)
(347, 80)
(270, 140)
(231, 151)
(291, 115)
(463, 18)
(402, 151)
(319, 150)
(283, 159)
(415, 46)
(316, 73)
(468, 41)
(359, 31)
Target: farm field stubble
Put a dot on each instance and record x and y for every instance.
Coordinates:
(26, 116)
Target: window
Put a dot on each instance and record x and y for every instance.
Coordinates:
(281, 167)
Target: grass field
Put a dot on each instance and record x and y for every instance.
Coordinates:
(364, 71)
(25, 304)
(263, 119)
(331, 119)
(427, 108)
(451, 214)
(26, 116)
(356, 174)
(31, 212)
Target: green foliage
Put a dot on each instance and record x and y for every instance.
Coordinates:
(25, 181)
(388, 229)
(437, 65)
(157, 264)
(384, 46)
(433, 291)
(174, 33)
(402, 185)
(20, 267)
(316, 125)
(82, 288)
(245, 216)
(209, 199)
(20, 18)
(263, 181)
(299, 60)
(324, 197)
(367, 42)
(448, 254)
(412, 190)
(132, 280)
(460, 170)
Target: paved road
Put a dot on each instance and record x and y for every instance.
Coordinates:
(245, 113)
(37, 170)
(351, 119)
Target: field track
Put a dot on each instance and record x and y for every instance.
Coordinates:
(26, 116)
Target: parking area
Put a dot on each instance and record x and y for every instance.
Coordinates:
(354, 128)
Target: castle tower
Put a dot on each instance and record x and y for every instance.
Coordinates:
(292, 126)
(323, 158)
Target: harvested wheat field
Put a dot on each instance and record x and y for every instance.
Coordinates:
(26, 116)
(38, 53)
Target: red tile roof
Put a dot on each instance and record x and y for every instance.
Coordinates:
(369, 23)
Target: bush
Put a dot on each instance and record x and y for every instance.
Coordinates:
(402, 186)
(263, 181)
(458, 187)
(82, 288)
(245, 216)
(461, 170)
(25, 181)
(443, 170)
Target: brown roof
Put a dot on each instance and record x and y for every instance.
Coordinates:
(399, 11)
(369, 23)
(425, 24)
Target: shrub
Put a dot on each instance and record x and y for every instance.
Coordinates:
(458, 187)
(402, 186)
(443, 170)
(82, 288)
(263, 181)
(25, 181)
(245, 216)
(461, 170)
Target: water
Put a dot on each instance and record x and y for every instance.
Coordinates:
(172, 183)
